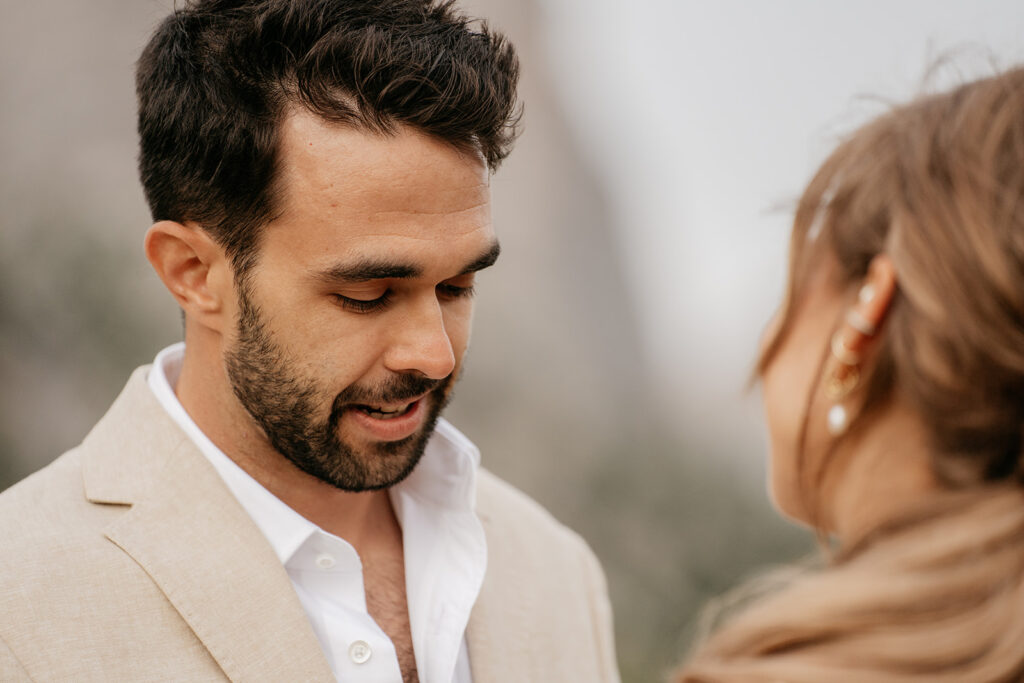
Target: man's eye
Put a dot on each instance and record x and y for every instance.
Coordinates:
(454, 291)
(363, 305)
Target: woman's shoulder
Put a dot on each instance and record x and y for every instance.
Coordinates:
(937, 594)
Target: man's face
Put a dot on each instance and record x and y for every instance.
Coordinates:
(352, 325)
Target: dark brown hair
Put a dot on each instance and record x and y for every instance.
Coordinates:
(217, 77)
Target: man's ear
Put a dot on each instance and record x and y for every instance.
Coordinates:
(194, 268)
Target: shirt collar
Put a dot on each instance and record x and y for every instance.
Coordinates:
(444, 479)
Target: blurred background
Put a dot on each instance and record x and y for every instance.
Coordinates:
(643, 219)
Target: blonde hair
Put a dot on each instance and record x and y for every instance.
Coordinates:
(938, 595)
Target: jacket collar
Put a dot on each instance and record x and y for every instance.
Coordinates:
(186, 530)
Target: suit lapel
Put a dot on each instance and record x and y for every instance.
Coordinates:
(197, 543)
(497, 635)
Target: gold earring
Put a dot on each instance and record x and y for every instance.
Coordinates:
(842, 352)
(839, 383)
(837, 387)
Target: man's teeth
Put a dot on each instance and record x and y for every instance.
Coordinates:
(384, 413)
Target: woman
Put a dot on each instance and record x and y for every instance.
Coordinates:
(893, 382)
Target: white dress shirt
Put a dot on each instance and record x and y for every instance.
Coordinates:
(443, 540)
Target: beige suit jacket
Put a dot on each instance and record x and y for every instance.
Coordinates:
(127, 559)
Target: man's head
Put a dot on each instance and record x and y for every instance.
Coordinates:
(219, 77)
(318, 174)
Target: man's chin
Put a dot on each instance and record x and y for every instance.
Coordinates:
(371, 467)
(360, 464)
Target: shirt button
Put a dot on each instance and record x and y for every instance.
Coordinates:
(360, 652)
(324, 561)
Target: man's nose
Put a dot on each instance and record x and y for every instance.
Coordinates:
(420, 342)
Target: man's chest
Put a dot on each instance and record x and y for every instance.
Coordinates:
(386, 601)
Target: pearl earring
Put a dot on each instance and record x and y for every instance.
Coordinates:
(838, 420)
(840, 383)
(837, 387)
(866, 294)
(858, 322)
(846, 376)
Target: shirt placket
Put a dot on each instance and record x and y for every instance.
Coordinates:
(331, 573)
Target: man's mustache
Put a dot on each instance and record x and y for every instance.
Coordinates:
(396, 389)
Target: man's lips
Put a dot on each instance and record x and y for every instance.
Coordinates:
(387, 421)
(385, 411)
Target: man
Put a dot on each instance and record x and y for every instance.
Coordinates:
(277, 499)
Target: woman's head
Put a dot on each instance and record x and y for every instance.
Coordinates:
(926, 205)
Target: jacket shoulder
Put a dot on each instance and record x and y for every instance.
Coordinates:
(503, 506)
(46, 518)
(544, 598)
(522, 533)
(49, 498)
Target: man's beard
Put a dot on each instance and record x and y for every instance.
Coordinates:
(284, 405)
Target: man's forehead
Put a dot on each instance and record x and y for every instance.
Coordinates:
(400, 171)
(348, 195)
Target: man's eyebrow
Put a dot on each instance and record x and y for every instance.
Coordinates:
(485, 260)
(368, 269)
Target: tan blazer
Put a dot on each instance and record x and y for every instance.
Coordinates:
(127, 559)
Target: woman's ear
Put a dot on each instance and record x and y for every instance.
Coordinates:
(865, 317)
(194, 268)
(854, 339)
(876, 293)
